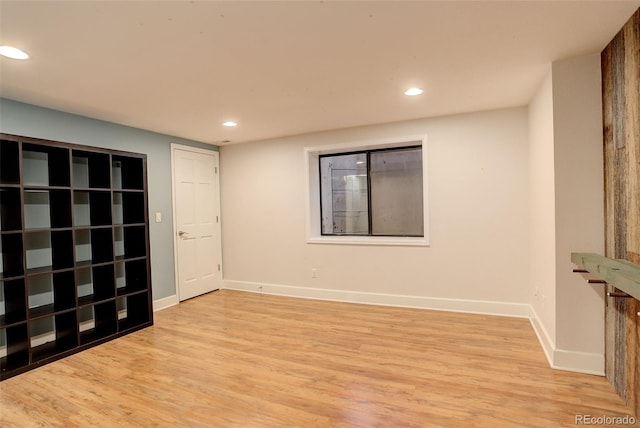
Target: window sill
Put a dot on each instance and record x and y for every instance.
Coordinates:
(369, 240)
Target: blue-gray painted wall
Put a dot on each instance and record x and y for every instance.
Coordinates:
(38, 122)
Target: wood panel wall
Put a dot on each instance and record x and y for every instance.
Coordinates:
(621, 119)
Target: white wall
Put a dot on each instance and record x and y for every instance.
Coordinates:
(542, 215)
(567, 212)
(478, 199)
(577, 110)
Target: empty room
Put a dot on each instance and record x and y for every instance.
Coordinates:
(319, 213)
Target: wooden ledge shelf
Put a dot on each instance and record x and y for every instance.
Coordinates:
(622, 274)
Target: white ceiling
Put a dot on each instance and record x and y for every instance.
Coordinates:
(284, 68)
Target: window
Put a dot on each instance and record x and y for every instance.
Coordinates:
(376, 192)
(368, 193)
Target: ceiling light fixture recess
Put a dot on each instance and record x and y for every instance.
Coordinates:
(412, 92)
(14, 53)
(229, 124)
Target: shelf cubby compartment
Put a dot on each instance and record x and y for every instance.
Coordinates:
(13, 305)
(11, 262)
(128, 208)
(50, 293)
(10, 211)
(46, 209)
(90, 170)
(121, 307)
(95, 284)
(97, 321)
(9, 162)
(93, 246)
(131, 276)
(127, 173)
(133, 311)
(91, 208)
(130, 242)
(44, 165)
(53, 335)
(14, 348)
(49, 250)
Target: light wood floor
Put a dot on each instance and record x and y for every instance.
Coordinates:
(231, 359)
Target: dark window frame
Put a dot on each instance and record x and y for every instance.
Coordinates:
(367, 152)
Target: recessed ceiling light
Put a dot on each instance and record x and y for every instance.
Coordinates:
(413, 92)
(14, 53)
(229, 124)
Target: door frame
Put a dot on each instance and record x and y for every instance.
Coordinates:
(216, 155)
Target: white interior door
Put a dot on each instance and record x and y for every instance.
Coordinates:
(196, 207)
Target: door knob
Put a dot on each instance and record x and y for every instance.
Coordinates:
(182, 234)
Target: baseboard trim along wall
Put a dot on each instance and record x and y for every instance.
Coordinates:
(543, 336)
(165, 302)
(560, 359)
(519, 310)
(581, 362)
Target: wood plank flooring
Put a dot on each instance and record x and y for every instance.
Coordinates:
(232, 359)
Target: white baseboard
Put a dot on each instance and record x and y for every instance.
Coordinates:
(560, 359)
(581, 362)
(165, 303)
(519, 310)
(543, 336)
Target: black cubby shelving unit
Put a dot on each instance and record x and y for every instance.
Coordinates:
(74, 249)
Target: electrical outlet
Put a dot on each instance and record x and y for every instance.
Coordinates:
(314, 273)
